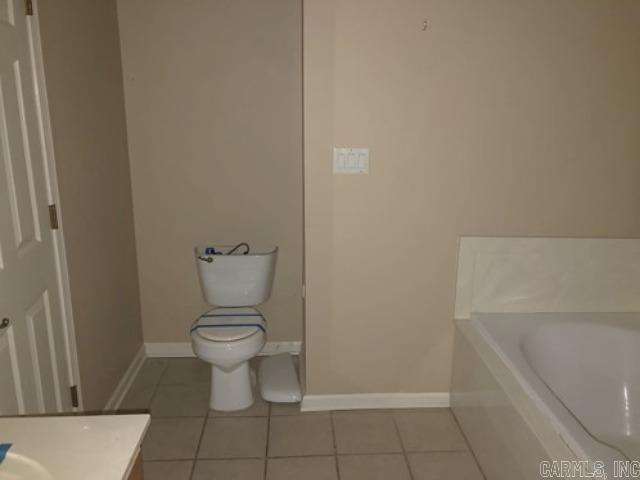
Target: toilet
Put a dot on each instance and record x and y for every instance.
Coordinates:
(233, 280)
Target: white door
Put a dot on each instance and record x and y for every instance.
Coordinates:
(34, 355)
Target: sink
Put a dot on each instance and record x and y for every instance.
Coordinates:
(19, 467)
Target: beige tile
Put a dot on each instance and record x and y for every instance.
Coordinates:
(143, 387)
(365, 433)
(242, 469)
(307, 468)
(260, 408)
(138, 398)
(172, 438)
(180, 401)
(444, 466)
(239, 437)
(186, 371)
(431, 429)
(373, 467)
(300, 435)
(150, 372)
(172, 470)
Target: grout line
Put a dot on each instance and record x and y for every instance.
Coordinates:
(195, 460)
(168, 460)
(237, 416)
(197, 452)
(184, 384)
(371, 454)
(333, 433)
(301, 456)
(266, 448)
(335, 445)
(404, 450)
(319, 455)
(164, 372)
(204, 415)
(466, 440)
(155, 387)
(217, 417)
(439, 450)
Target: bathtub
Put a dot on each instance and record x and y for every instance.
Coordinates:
(536, 387)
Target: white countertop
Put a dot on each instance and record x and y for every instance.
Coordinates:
(100, 447)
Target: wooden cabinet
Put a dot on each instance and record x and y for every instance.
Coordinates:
(136, 472)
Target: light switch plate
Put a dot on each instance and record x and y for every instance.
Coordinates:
(350, 161)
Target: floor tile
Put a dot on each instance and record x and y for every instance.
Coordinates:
(171, 470)
(431, 429)
(150, 372)
(365, 433)
(260, 408)
(186, 371)
(444, 466)
(240, 437)
(138, 398)
(300, 435)
(180, 401)
(242, 469)
(307, 468)
(373, 467)
(172, 438)
(143, 387)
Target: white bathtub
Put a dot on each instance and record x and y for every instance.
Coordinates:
(532, 387)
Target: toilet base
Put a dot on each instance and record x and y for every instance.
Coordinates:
(231, 390)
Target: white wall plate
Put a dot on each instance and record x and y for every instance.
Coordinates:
(350, 161)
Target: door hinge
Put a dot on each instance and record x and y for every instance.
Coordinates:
(28, 7)
(53, 216)
(74, 396)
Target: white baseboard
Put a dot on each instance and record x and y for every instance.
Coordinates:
(183, 349)
(125, 382)
(310, 403)
(360, 401)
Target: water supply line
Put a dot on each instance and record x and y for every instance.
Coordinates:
(211, 251)
(243, 244)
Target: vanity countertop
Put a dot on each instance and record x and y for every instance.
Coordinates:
(99, 447)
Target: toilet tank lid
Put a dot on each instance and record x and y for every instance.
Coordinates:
(229, 324)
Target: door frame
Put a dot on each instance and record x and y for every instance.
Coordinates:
(53, 197)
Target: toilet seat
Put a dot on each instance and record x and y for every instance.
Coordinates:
(229, 324)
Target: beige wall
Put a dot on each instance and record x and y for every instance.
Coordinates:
(502, 118)
(213, 95)
(84, 84)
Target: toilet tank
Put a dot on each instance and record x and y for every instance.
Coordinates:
(236, 280)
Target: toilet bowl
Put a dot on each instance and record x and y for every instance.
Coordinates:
(230, 335)
(228, 338)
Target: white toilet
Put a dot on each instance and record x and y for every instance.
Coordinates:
(229, 335)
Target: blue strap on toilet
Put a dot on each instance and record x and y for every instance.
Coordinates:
(211, 315)
(230, 325)
(4, 448)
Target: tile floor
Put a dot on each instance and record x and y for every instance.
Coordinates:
(187, 441)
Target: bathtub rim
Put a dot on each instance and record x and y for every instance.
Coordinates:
(580, 440)
(537, 420)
